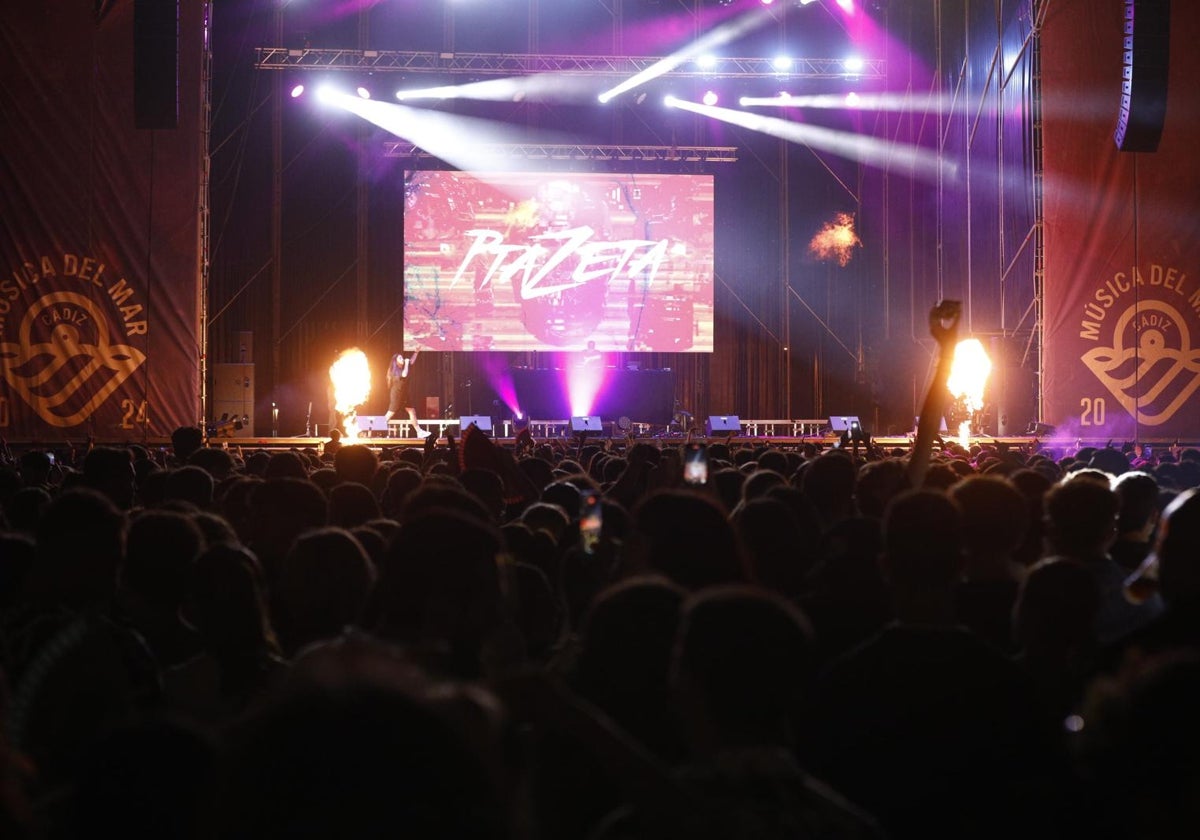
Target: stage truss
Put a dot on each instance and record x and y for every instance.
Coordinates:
(580, 151)
(520, 64)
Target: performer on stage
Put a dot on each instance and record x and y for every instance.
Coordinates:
(591, 357)
(397, 380)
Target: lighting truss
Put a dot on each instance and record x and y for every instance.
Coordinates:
(514, 64)
(544, 151)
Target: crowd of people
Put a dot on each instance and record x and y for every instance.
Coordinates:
(204, 642)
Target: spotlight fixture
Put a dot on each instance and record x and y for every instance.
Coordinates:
(710, 97)
(854, 64)
(297, 91)
(781, 62)
(362, 92)
(670, 101)
(706, 61)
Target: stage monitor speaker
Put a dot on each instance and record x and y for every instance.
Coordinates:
(482, 421)
(233, 394)
(156, 63)
(917, 424)
(722, 423)
(1144, 70)
(586, 424)
(368, 423)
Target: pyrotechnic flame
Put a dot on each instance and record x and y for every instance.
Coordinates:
(964, 434)
(968, 378)
(351, 377)
(836, 240)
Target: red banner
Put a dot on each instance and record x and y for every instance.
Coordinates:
(99, 228)
(1122, 235)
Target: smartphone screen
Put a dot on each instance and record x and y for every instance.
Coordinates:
(591, 520)
(695, 464)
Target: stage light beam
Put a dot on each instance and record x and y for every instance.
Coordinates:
(702, 46)
(458, 140)
(861, 147)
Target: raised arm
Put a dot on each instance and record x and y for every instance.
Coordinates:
(943, 326)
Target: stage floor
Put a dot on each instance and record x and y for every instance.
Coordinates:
(824, 441)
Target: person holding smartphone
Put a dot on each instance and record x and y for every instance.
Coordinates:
(695, 464)
(591, 520)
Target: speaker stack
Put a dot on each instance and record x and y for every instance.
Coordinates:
(156, 63)
(233, 400)
(1147, 53)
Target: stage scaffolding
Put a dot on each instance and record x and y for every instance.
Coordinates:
(981, 54)
(517, 64)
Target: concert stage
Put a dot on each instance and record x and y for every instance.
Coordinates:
(666, 439)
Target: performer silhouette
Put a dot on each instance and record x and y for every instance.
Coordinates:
(591, 357)
(397, 381)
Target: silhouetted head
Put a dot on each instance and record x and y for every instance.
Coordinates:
(1178, 551)
(356, 463)
(359, 746)
(1056, 607)
(352, 504)
(741, 663)
(922, 540)
(81, 543)
(439, 587)
(286, 465)
(190, 484)
(161, 549)
(109, 470)
(994, 514)
(829, 482)
(686, 537)
(185, 440)
(1081, 517)
(322, 587)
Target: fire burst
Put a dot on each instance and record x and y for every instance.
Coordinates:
(968, 378)
(836, 240)
(351, 377)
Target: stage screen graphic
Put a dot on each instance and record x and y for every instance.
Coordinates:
(537, 261)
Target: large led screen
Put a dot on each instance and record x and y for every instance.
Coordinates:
(555, 261)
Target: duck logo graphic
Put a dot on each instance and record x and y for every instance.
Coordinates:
(1152, 367)
(64, 363)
